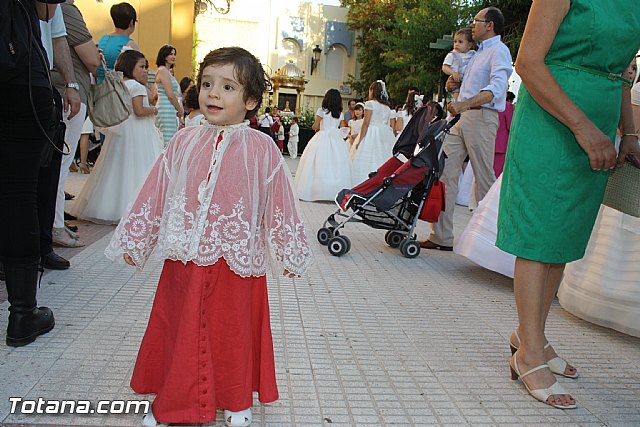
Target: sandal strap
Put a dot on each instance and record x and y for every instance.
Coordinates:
(536, 369)
(558, 365)
(546, 346)
(543, 394)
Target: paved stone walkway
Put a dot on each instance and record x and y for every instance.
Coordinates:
(368, 339)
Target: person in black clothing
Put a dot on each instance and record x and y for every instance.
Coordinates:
(265, 122)
(21, 146)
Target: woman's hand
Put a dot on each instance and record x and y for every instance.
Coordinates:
(597, 145)
(289, 274)
(629, 151)
(128, 260)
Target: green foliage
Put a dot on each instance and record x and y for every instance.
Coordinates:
(515, 17)
(393, 38)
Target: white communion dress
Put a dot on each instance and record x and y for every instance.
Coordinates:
(324, 167)
(128, 152)
(478, 240)
(376, 146)
(466, 195)
(604, 286)
(405, 117)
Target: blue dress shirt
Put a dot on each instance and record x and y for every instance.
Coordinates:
(489, 69)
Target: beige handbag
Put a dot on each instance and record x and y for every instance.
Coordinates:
(623, 190)
(110, 101)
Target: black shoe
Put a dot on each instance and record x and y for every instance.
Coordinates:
(69, 196)
(69, 217)
(27, 321)
(25, 327)
(428, 244)
(53, 261)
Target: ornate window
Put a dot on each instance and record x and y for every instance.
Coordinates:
(336, 62)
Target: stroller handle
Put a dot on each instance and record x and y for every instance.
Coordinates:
(452, 122)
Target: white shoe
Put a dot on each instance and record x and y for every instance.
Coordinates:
(62, 238)
(150, 421)
(541, 394)
(557, 365)
(238, 419)
(71, 233)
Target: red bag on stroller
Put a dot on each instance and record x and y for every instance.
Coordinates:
(435, 203)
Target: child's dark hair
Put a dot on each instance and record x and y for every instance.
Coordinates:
(332, 103)
(294, 119)
(185, 82)
(410, 105)
(163, 53)
(127, 61)
(466, 33)
(122, 14)
(376, 89)
(437, 111)
(191, 98)
(247, 69)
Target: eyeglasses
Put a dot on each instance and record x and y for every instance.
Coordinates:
(475, 21)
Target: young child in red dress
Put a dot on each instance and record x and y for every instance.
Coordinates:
(217, 207)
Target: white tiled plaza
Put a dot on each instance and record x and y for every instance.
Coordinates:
(368, 339)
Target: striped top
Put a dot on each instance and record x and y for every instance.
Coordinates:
(167, 120)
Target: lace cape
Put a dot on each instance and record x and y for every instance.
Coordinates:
(216, 192)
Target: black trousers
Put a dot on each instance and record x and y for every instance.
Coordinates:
(266, 130)
(21, 144)
(48, 179)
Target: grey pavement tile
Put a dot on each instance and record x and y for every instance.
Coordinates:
(367, 339)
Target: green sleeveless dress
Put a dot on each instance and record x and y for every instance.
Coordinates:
(550, 197)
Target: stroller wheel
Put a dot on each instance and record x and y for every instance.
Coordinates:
(410, 248)
(348, 241)
(393, 238)
(324, 234)
(338, 246)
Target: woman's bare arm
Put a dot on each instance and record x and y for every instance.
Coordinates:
(164, 77)
(316, 124)
(629, 147)
(139, 109)
(542, 26)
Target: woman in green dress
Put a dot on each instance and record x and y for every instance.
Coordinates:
(558, 160)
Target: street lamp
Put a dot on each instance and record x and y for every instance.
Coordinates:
(202, 6)
(316, 58)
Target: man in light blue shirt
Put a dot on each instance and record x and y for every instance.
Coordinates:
(482, 95)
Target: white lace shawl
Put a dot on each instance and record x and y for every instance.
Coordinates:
(245, 205)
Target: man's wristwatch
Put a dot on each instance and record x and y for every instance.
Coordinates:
(73, 85)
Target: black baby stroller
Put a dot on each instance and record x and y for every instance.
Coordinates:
(404, 189)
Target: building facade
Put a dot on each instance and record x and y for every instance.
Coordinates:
(306, 47)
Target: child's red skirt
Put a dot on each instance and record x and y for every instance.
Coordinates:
(208, 344)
